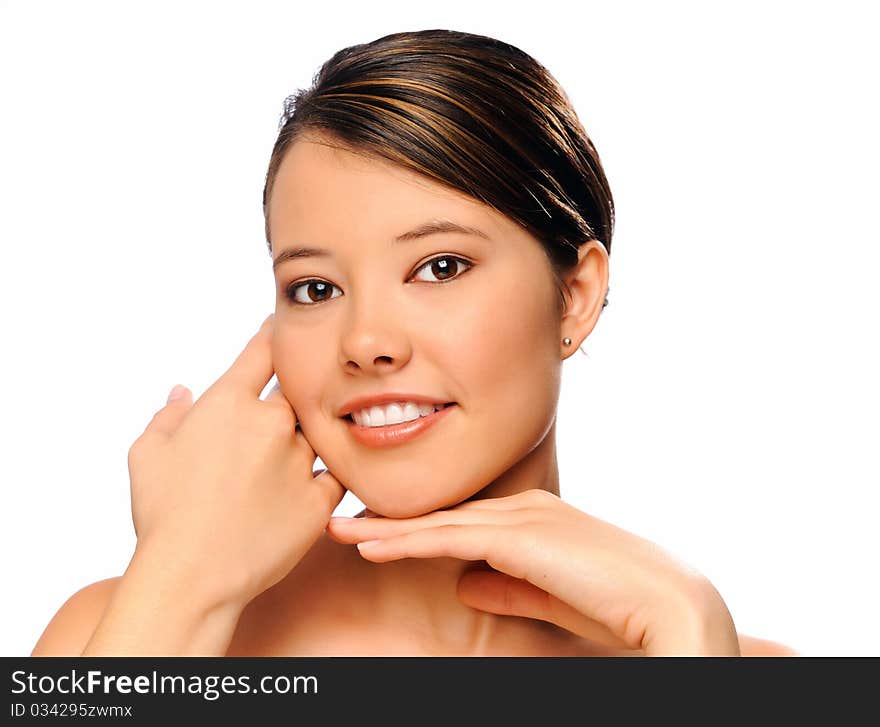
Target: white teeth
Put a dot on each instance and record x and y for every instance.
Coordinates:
(411, 411)
(377, 416)
(405, 411)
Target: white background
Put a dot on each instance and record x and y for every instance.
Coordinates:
(727, 408)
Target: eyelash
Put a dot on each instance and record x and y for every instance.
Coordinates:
(290, 293)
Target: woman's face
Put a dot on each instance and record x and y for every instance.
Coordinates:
(453, 316)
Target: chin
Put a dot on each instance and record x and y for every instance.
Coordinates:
(396, 508)
(402, 490)
(401, 506)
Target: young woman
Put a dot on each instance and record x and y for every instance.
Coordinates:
(440, 227)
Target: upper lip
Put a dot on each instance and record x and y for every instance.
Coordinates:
(364, 402)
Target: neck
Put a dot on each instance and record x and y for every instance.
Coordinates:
(418, 595)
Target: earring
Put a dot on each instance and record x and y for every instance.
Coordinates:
(566, 341)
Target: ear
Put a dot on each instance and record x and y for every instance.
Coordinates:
(587, 288)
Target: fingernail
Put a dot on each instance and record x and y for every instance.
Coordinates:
(177, 392)
(368, 544)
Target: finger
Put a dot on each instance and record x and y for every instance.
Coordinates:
(276, 397)
(465, 542)
(371, 527)
(167, 419)
(331, 491)
(499, 593)
(510, 502)
(252, 369)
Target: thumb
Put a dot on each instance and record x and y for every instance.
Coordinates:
(496, 592)
(167, 419)
(490, 590)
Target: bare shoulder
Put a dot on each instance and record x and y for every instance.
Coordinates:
(74, 623)
(753, 646)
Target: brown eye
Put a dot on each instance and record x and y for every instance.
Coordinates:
(316, 291)
(311, 292)
(446, 267)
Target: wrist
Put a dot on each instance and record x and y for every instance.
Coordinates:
(696, 623)
(156, 609)
(172, 572)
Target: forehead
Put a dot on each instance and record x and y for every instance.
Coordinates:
(320, 189)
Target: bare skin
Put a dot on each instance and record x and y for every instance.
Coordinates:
(281, 622)
(265, 569)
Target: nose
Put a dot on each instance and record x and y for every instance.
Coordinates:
(373, 342)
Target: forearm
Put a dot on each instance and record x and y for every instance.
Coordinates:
(159, 608)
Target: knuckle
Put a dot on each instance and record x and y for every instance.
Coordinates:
(278, 416)
(135, 451)
(155, 420)
(220, 395)
(132, 459)
(138, 451)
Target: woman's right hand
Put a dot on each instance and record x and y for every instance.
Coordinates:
(223, 488)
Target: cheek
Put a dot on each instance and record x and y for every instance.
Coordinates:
(300, 374)
(513, 369)
(507, 351)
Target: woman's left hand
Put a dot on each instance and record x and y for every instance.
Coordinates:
(556, 563)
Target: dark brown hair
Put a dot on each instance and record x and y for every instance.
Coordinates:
(472, 113)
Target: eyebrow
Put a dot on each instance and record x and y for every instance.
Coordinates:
(423, 230)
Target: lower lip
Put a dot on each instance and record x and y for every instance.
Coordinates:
(396, 433)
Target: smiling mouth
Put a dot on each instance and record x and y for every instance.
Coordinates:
(349, 418)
